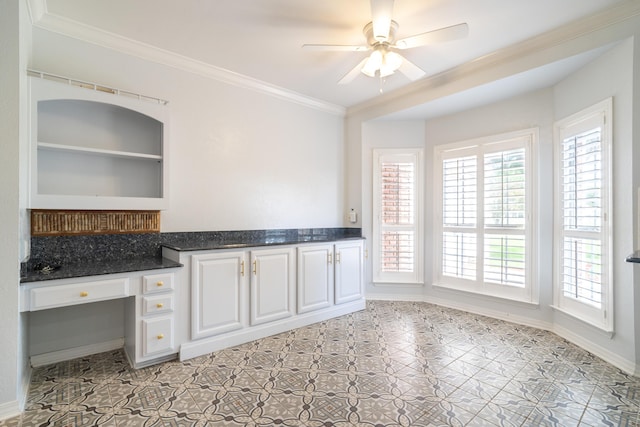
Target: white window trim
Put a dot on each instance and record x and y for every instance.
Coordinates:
(600, 318)
(480, 146)
(417, 156)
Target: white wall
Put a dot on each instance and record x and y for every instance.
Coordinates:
(532, 110)
(636, 185)
(76, 326)
(13, 370)
(385, 134)
(611, 75)
(238, 159)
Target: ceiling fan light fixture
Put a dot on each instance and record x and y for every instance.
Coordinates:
(390, 63)
(382, 62)
(380, 34)
(373, 64)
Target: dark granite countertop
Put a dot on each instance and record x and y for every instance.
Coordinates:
(41, 272)
(204, 245)
(634, 257)
(86, 255)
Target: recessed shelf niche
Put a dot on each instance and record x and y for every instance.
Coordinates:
(96, 150)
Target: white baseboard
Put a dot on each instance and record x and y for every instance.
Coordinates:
(9, 410)
(393, 297)
(606, 355)
(500, 315)
(144, 364)
(207, 345)
(72, 353)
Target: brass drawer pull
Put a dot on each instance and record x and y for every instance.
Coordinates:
(159, 305)
(84, 294)
(160, 336)
(160, 283)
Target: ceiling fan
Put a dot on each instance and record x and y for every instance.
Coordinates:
(381, 40)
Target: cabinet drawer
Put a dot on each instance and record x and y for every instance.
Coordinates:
(157, 283)
(157, 304)
(157, 335)
(78, 293)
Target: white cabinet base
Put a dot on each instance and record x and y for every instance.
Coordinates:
(271, 300)
(193, 349)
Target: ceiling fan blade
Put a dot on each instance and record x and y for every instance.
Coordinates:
(355, 71)
(335, 47)
(381, 12)
(411, 70)
(446, 34)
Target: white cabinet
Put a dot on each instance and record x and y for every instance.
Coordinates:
(95, 150)
(218, 294)
(242, 295)
(315, 277)
(349, 267)
(154, 321)
(272, 285)
(329, 274)
(150, 302)
(233, 290)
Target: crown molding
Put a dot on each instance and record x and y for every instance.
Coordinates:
(584, 34)
(37, 9)
(41, 18)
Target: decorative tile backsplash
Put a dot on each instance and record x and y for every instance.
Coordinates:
(66, 222)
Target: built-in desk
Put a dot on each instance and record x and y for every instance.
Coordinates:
(149, 296)
(88, 294)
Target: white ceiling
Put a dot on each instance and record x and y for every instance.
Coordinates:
(262, 39)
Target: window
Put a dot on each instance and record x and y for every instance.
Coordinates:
(397, 213)
(582, 228)
(482, 226)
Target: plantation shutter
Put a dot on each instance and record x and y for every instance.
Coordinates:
(482, 236)
(504, 217)
(460, 206)
(583, 285)
(581, 198)
(398, 199)
(396, 210)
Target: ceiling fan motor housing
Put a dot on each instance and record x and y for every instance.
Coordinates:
(372, 41)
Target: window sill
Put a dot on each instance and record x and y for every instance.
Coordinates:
(525, 302)
(610, 332)
(397, 283)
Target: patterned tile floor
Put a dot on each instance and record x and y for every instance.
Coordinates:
(393, 364)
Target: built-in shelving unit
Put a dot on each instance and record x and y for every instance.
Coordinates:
(96, 148)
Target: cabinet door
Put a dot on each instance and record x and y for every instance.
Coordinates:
(348, 271)
(218, 296)
(315, 277)
(272, 284)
